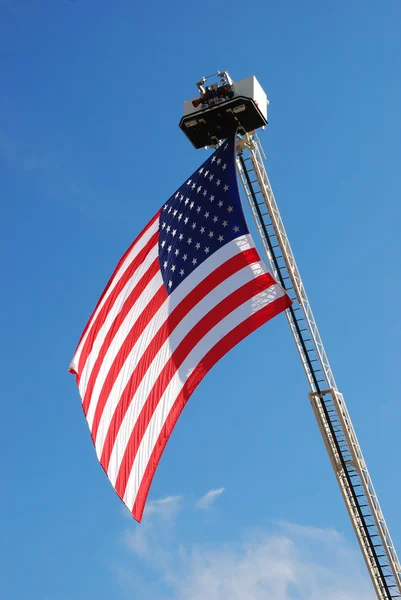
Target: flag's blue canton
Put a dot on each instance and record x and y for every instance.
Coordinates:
(204, 215)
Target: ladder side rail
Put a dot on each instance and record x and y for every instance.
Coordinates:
(349, 500)
(390, 571)
(337, 456)
(288, 256)
(278, 225)
(357, 517)
(328, 437)
(360, 465)
(276, 272)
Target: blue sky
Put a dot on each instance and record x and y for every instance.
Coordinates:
(244, 504)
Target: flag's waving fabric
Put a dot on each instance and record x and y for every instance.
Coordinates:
(188, 289)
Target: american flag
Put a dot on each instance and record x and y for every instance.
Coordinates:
(190, 287)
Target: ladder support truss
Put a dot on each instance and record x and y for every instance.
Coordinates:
(328, 404)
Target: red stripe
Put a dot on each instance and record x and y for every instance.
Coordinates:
(231, 266)
(202, 327)
(119, 264)
(128, 304)
(146, 315)
(107, 306)
(209, 360)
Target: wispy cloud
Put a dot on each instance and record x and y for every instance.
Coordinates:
(207, 500)
(287, 562)
(166, 508)
(325, 535)
(274, 565)
(144, 539)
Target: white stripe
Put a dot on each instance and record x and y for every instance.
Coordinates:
(175, 386)
(220, 257)
(112, 314)
(141, 243)
(118, 341)
(163, 356)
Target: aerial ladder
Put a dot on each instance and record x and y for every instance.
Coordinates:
(222, 108)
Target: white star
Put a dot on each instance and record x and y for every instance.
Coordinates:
(198, 189)
(181, 198)
(189, 181)
(163, 225)
(211, 177)
(180, 216)
(206, 173)
(202, 230)
(205, 192)
(198, 209)
(211, 234)
(224, 167)
(191, 205)
(220, 204)
(207, 250)
(215, 219)
(169, 249)
(182, 272)
(225, 188)
(175, 212)
(211, 198)
(170, 284)
(197, 246)
(169, 210)
(194, 261)
(181, 236)
(221, 238)
(225, 147)
(186, 201)
(173, 268)
(193, 225)
(193, 186)
(177, 252)
(218, 161)
(184, 257)
(236, 228)
(218, 182)
(213, 158)
(201, 171)
(173, 232)
(168, 228)
(177, 194)
(225, 223)
(165, 264)
(206, 215)
(189, 241)
(186, 220)
(230, 209)
(165, 206)
(163, 243)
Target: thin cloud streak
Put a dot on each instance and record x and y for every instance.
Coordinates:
(206, 501)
